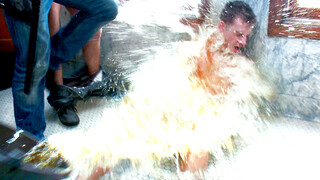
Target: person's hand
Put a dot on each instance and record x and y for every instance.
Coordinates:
(195, 161)
(97, 173)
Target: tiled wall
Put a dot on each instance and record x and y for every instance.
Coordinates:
(297, 65)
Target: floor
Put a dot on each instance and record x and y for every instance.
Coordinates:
(288, 149)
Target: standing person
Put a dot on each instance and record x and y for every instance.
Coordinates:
(91, 54)
(29, 108)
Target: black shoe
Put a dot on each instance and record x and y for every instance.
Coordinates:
(68, 116)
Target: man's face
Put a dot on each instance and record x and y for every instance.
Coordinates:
(236, 33)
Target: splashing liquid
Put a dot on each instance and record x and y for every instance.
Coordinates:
(186, 96)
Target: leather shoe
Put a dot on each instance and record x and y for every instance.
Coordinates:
(68, 115)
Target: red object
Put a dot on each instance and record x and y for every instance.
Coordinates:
(6, 44)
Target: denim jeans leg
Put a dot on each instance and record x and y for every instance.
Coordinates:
(92, 15)
(29, 108)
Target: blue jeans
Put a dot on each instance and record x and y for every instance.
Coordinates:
(29, 108)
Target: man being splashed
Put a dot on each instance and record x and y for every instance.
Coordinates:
(237, 20)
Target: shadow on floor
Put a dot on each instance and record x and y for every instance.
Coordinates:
(6, 69)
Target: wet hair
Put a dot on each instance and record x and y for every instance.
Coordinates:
(236, 9)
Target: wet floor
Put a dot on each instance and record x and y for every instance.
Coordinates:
(289, 149)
